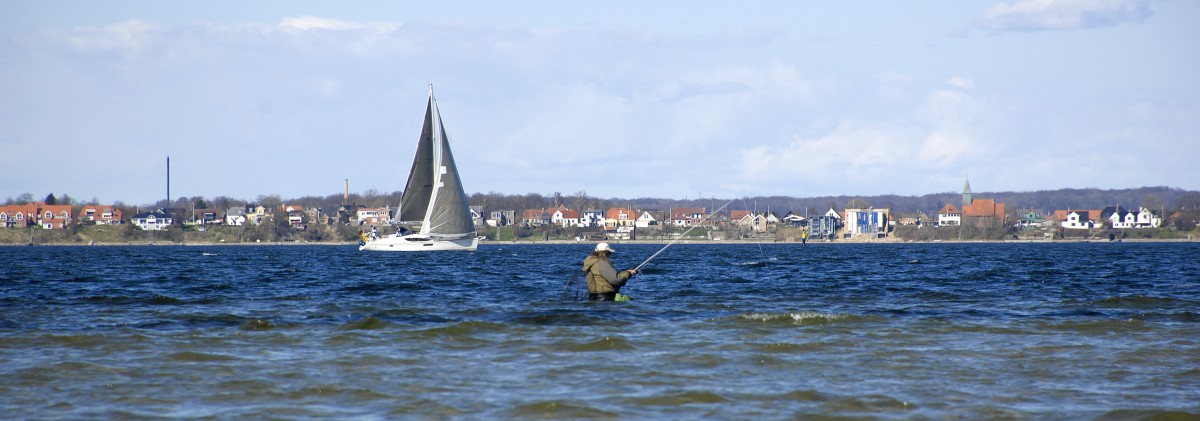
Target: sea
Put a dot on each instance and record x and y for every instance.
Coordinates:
(963, 331)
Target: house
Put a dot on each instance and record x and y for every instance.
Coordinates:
(54, 216)
(1118, 217)
(794, 219)
(771, 218)
(949, 216)
(911, 218)
(18, 216)
(747, 220)
(100, 215)
(256, 214)
(870, 222)
(206, 217)
(476, 215)
(1078, 220)
(564, 217)
(591, 218)
(649, 219)
(295, 215)
(1029, 219)
(620, 217)
(535, 217)
(152, 221)
(501, 218)
(374, 216)
(235, 216)
(1185, 220)
(686, 217)
(825, 225)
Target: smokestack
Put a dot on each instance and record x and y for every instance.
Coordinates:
(346, 194)
(168, 181)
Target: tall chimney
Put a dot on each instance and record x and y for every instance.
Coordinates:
(346, 194)
(168, 181)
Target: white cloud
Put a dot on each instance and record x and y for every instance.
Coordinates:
(310, 22)
(961, 82)
(1043, 15)
(131, 35)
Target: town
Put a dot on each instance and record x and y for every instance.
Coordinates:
(971, 218)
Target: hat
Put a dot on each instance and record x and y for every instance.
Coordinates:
(604, 247)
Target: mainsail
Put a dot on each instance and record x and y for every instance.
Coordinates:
(434, 194)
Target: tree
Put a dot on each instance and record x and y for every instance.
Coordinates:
(1151, 201)
(50, 199)
(856, 203)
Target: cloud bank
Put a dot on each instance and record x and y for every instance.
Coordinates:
(1050, 15)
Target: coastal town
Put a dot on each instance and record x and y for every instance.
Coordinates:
(971, 218)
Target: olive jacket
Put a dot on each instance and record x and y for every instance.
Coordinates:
(601, 277)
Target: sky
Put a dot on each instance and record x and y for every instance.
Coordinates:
(622, 99)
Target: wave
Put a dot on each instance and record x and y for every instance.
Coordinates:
(193, 356)
(1140, 302)
(558, 409)
(369, 323)
(796, 318)
(1147, 415)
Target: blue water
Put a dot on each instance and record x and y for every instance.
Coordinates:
(746, 331)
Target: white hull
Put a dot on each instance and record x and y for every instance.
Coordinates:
(416, 242)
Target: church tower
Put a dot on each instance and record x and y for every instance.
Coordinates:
(967, 193)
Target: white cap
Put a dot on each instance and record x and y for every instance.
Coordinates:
(604, 247)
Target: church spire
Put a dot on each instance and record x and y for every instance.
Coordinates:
(966, 193)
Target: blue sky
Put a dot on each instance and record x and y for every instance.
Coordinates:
(620, 99)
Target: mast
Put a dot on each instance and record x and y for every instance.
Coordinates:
(437, 167)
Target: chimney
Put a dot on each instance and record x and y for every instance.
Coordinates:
(346, 194)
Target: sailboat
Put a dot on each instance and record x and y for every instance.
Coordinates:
(433, 199)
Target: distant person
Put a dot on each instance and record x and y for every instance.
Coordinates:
(603, 281)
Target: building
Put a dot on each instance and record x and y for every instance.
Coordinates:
(949, 216)
(620, 217)
(868, 222)
(18, 216)
(1078, 219)
(977, 212)
(54, 216)
(156, 220)
(564, 217)
(373, 216)
(235, 216)
(748, 220)
(686, 217)
(1118, 217)
(535, 217)
(825, 226)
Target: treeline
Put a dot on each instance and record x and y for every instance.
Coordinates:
(1158, 198)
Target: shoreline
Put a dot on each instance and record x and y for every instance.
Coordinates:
(651, 242)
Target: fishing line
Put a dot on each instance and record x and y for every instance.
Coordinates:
(639, 267)
(754, 232)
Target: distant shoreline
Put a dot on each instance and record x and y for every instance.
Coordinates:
(616, 242)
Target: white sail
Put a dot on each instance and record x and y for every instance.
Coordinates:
(433, 196)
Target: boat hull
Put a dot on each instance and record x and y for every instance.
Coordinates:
(420, 243)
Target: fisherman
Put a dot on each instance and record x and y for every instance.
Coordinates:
(603, 281)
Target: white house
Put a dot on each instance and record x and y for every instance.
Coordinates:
(647, 219)
(591, 218)
(1078, 220)
(949, 215)
(1119, 217)
(235, 216)
(152, 221)
(564, 217)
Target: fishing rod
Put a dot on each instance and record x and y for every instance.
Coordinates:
(652, 256)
